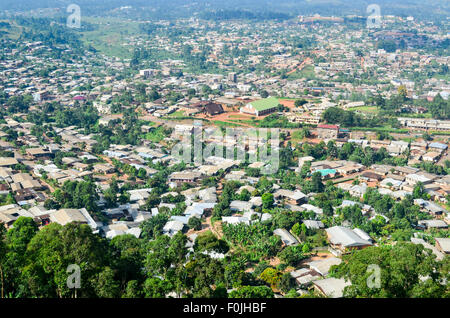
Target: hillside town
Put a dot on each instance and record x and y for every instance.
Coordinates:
(361, 159)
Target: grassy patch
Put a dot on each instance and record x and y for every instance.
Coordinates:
(366, 109)
(111, 36)
(380, 129)
(178, 113)
(156, 135)
(307, 72)
(438, 132)
(13, 31)
(240, 117)
(409, 139)
(225, 124)
(297, 136)
(247, 122)
(410, 115)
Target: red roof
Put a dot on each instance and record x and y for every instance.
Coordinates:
(328, 126)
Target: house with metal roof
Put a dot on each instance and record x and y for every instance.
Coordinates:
(331, 287)
(173, 227)
(313, 225)
(365, 208)
(240, 206)
(323, 266)
(437, 224)
(443, 244)
(294, 197)
(310, 207)
(304, 276)
(413, 179)
(65, 216)
(430, 207)
(199, 208)
(327, 131)
(8, 161)
(343, 238)
(286, 237)
(235, 220)
(438, 145)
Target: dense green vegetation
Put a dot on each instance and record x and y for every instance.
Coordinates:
(402, 268)
(33, 263)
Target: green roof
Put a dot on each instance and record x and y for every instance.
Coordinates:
(266, 103)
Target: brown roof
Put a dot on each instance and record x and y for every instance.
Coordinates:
(372, 175)
(213, 108)
(65, 216)
(8, 161)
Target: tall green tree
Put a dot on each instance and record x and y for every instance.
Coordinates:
(402, 268)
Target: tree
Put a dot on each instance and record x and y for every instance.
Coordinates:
(195, 223)
(133, 290)
(401, 267)
(286, 283)
(235, 271)
(402, 92)
(252, 292)
(220, 291)
(271, 276)
(3, 251)
(296, 229)
(21, 234)
(306, 249)
(203, 272)
(158, 260)
(105, 284)
(439, 108)
(332, 150)
(264, 94)
(292, 255)
(127, 257)
(419, 191)
(19, 104)
(316, 182)
(207, 241)
(245, 195)
(304, 133)
(427, 136)
(53, 249)
(152, 201)
(77, 194)
(300, 102)
(141, 173)
(110, 194)
(206, 90)
(388, 45)
(267, 200)
(156, 288)
(153, 226)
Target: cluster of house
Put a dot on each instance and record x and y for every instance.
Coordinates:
(315, 273)
(30, 172)
(337, 57)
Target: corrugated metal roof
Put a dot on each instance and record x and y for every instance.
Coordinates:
(346, 237)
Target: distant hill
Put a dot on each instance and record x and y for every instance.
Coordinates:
(187, 8)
